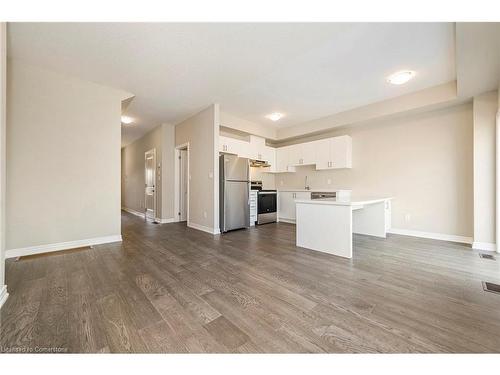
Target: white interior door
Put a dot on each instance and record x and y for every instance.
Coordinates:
(183, 185)
(150, 190)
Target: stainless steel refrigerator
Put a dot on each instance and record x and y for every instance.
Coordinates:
(234, 174)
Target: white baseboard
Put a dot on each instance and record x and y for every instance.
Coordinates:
(32, 250)
(289, 221)
(486, 246)
(431, 235)
(133, 212)
(3, 295)
(203, 228)
(141, 215)
(165, 221)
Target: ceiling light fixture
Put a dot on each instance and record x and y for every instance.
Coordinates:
(127, 120)
(275, 116)
(401, 77)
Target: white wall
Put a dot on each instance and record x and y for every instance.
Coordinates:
(424, 161)
(485, 107)
(162, 140)
(201, 131)
(3, 95)
(63, 159)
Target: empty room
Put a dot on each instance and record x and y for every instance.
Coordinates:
(249, 187)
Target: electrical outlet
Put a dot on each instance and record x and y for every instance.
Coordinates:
(329, 181)
(205, 214)
(281, 182)
(407, 218)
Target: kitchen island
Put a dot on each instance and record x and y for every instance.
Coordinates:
(327, 225)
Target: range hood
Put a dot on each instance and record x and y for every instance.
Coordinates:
(259, 163)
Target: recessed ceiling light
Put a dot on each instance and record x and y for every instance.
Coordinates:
(127, 120)
(275, 116)
(401, 77)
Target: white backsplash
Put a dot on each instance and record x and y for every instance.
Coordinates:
(268, 179)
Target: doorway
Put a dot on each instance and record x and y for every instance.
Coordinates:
(182, 183)
(150, 188)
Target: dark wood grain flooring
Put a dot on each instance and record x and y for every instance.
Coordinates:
(168, 288)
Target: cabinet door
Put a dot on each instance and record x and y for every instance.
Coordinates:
(281, 159)
(308, 153)
(231, 145)
(323, 154)
(286, 205)
(341, 152)
(268, 154)
(303, 195)
(222, 143)
(294, 155)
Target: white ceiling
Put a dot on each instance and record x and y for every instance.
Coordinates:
(306, 71)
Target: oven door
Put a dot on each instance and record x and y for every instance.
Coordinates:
(266, 202)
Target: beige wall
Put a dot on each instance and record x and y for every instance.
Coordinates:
(3, 95)
(423, 100)
(230, 121)
(201, 131)
(485, 107)
(162, 140)
(63, 158)
(133, 171)
(168, 165)
(424, 161)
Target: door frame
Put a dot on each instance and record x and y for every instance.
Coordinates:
(149, 152)
(177, 180)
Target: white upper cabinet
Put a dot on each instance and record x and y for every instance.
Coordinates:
(323, 154)
(334, 153)
(283, 160)
(233, 146)
(269, 154)
(330, 153)
(302, 154)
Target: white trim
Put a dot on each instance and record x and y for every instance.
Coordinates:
(3, 295)
(289, 221)
(155, 186)
(133, 212)
(165, 221)
(141, 215)
(486, 246)
(431, 235)
(31, 250)
(203, 228)
(497, 179)
(178, 148)
(215, 174)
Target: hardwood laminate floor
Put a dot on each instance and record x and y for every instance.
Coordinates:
(169, 288)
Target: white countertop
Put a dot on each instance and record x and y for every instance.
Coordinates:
(351, 201)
